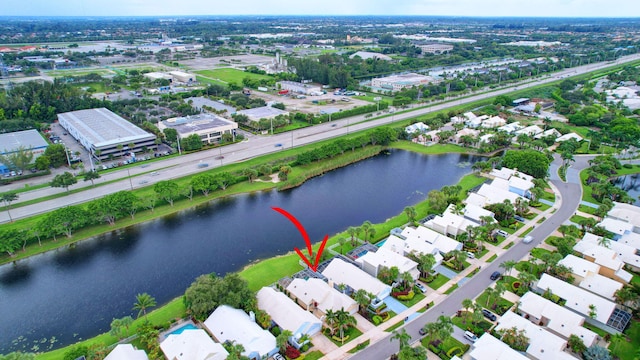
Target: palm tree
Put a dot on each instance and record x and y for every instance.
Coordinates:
(467, 304)
(402, 337)
(458, 258)
(344, 321)
(7, 198)
(331, 320)
(526, 278)
(366, 228)
(625, 295)
(353, 231)
(491, 293)
(411, 213)
(477, 314)
(143, 302)
(431, 330)
(363, 298)
(407, 280)
(445, 327)
(282, 340)
(425, 263)
(604, 242)
(508, 265)
(341, 242)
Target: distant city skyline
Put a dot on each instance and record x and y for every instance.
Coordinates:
(484, 8)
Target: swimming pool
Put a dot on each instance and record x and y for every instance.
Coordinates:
(187, 326)
(361, 253)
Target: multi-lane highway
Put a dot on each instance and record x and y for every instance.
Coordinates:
(255, 146)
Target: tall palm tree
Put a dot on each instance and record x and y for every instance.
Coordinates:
(402, 337)
(431, 330)
(445, 327)
(467, 304)
(508, 265)
(411, 213)
(407, 280)
(366, 228)
(143, 302)
(425, 263)
(604, 242)
(331, 320)
(526, 278)
(282, 340)
(363, 298)
(344, 321)
(353, 231)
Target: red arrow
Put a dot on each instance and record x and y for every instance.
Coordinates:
(305, 236)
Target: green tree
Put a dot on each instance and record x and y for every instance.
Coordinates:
(411, 213)
(353, 231)
(508, 265)
(425, 263)
(529, 162)
(10, 240)
(203, 183)
(63, 180)
(170, 134)
(282, 340)
(18, 355)
(515, 338)
(91, 176)
(42, 162)
(363, 298)
(143, 302)
(596, 352)
(437, 200)
(366, 228)
(467, 304)
(19, 159)
(402, 337)
(7, 198)
(167, 190)
(192, 142)
(344, 320)
(576, 344)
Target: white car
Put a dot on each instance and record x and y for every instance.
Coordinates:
(527, 239)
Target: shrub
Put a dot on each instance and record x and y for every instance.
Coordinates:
(409, 296)
(516, 285)
(377, 320)
(275, 331)
(454, 351)
(292, 353)
(627, 166)
(434, 349)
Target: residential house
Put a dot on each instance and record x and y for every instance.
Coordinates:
(600, 285)
(577, 299)
(551, 132)
(287, 314)
(589, 245)
(340, 272)
(417, 128)
(488, 347)
(453, 224)
(373, 262)
(475, 213)
(555, 318)
(568, 136)
(532, 131)
(511, 128)
(580, 268)
(229, 324)
(318, 297)
(543, 345)
(617, 227)
(443, 243)
(495, 195)
(402, 246)
(486, 138)
(127, 352)
(457, 138)
(493, 122)
(626, 212)
(192, 344)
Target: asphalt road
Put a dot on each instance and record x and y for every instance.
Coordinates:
(255, 146)
(570, 194)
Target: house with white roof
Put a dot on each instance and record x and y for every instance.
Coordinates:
(506, 174)
(489, 348)
(532, 130)
(494, 194)
(555, 318)
(600, 285)
(626, 212)
(551, 132)
(486, 138)
(474, 122)
(192, 344)
(520, 186)
(340, 272)
(609, 257)
(577, 299)
(229, 324)
(617, 227)
(543, 344)
(443, 243)
(403, 246)
(417, 128)
(127, 352)
(449, 224)
(476, 200)
(511, 128)
(631, 239)
(580, 268)
(475, 213)
(318, 297)
(569, 136)
(457, 138)
(373, 262)
(493, 122)
(286, 313)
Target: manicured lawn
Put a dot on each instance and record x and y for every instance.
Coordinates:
(359, 347)
(97, 86)
(229, 75)
(451, 289)
(438, 282)
(416, 298)
(500, 303)
(475, 328)
(400, 323)
(439, 149)
(493, 257)
(627, 350)
(314, 355)
(537, 252)
(509, 245)
(352, 333)
(447, 345)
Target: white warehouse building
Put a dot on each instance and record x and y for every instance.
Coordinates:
(104, 131)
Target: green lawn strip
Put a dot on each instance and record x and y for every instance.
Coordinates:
(439, 149)
(395, 326)
(451, 289)
(438, 282)
(595, 329)
(538, 252)
(543, 207)
(98, 87)
(448, 344)
(577, 219)
(627, 349)
(163, 316)
(493, 257)
(586, 189)
(359, 347)
(231, 75)
(206, 80)
(587, 209)
(314, 355)
(509, 245)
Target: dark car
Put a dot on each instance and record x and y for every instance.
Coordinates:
(519, 218)
(496, 275)
(422, 332)
(489, 315)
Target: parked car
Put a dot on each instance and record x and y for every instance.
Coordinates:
(489, 315)
(496, 275)
(527, 239)
(471, 336)
(422, 332)
(502, 233)
(471, 255)
(421, 287)
(519, 218)
(277, 356)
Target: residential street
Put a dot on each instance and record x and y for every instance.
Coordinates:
(255, 146)
(568, 196)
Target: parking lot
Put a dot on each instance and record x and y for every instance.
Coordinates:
(327, 103)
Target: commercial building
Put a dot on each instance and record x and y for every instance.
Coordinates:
(209, 127)
(399, 82)
(300, 88)
(105, 133)
(13, 142)
(265, 112)
(436, 48)
(365, 55)
(181, 76)
(203, 104)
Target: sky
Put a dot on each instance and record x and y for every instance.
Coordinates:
(520, 8)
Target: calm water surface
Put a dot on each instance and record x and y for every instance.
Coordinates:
(70, 294)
